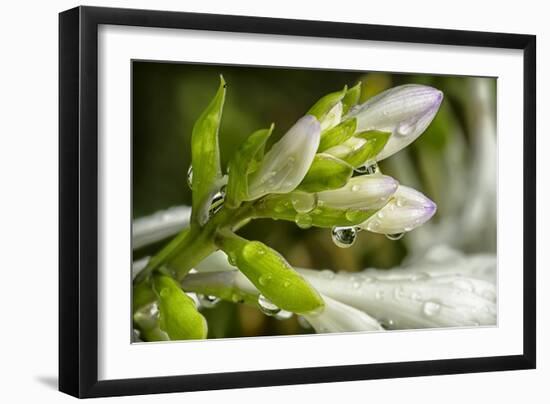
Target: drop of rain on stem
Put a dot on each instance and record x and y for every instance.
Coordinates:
(344, 237)
(267, 306)
(190, 177)
(303, 202)
(395, 236)
(303, 220)
(208, 301)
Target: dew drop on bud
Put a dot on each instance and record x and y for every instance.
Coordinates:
(208, 301)
(190, 177)
(283, 315)
(267, 306)
(431, 308)
(264, 279)
(344, 237)
(303, 202)
(303, 220)
(394, 237)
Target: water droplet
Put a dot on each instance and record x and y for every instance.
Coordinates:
(398, 293)
(379, 295)
(395, 236)
(356, 285)
(387, 322)
(303, 220)
(304, 323)
(420, 276)
(344, 237)
(267, 306)
(208, 301)
(190, 177)
(264, 279)
(286, 284)
(355, 188)
(431, 308)
(217, 202)
(464, 284)
(354, 215)
(415, 296)
(406, 128)
(327, 273)
(279, 208)
(232, 259)
(237, 298)
(304, 202)
(370, 167)
(283, 315)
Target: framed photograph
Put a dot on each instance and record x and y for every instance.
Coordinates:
(252, 201)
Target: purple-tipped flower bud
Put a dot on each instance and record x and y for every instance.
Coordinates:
(407, 210)
(363, 192)
(405, 111)
(287, 162)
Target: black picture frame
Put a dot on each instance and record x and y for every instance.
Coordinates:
(78, 200)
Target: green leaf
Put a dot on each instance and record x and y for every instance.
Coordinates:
(376, 140)
(179, 317)
(351, 98)
(282, 207)
(326, 172)
(325, 104)
(205, 156)
(142, 295)
(245, 160)
(271, 274)
(338, 134)
(358, 156)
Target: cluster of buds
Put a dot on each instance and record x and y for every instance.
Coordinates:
(323, 172)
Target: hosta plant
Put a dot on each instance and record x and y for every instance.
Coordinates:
(323, 172)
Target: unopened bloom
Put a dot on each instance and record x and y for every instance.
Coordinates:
(339, 317)
(405, 111)
(407, 210)
(287, 162)
(363, 192)
(402, 299)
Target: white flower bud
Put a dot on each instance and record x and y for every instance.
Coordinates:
(339, 317)
(405, 111)
(285, 165)
(363, 192)
(406, 210)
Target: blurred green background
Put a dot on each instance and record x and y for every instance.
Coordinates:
(451, 163)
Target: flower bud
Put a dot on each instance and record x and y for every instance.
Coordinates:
(407, 210)
(405, 111)
(287, 162)
(364, 192)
